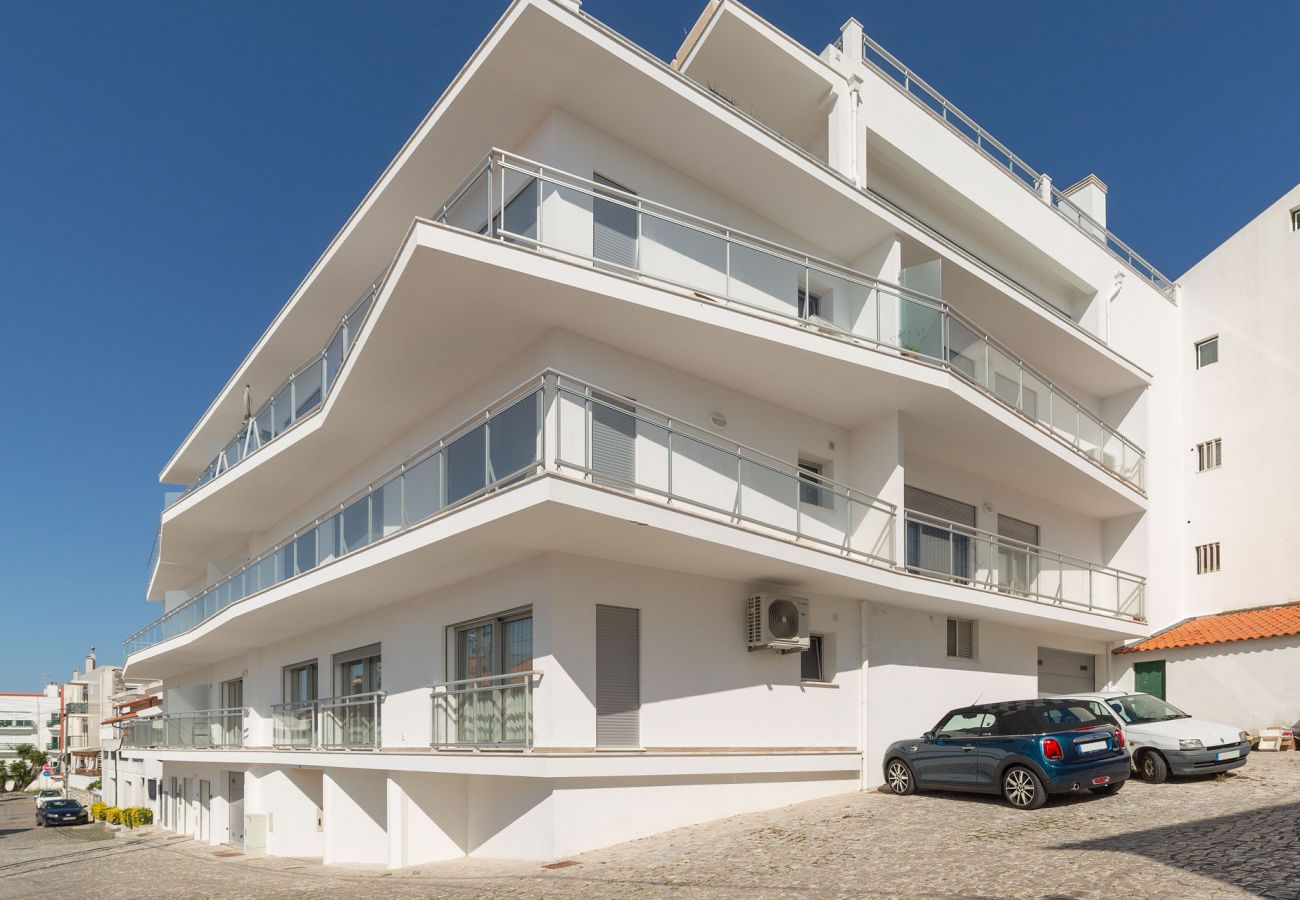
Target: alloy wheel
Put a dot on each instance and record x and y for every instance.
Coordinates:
(1020, 787)
(898, 777)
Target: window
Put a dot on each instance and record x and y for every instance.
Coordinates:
(1209, 455)
(615, 224)
(497, 710)
(1017, 563)
(966, 724)
(300, 682)
(810, 304)
(358, 671)
(1207, 352)
(1207, 558)
(939, 534)
(498, 645)
(810, 484)
(1295, 219)
(810, 661)
(961, 639)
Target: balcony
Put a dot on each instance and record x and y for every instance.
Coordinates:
(518, 201)
(300, 395)
(954, 552)
(489, 713)
(505, 443)
(351, 722)
(76, 709)
(909, 83)
(557, 425)
(206, 729)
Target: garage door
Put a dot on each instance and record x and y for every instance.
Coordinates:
(1064, 672)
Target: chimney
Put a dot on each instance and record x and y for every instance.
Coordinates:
(1090, 196)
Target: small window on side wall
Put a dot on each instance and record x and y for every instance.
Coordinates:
(961, 639)
(1295, 219)
(811, 660)
(1207, 352)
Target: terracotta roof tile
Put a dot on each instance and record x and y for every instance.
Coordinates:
(1223, 628)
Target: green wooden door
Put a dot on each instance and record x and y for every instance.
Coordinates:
(1151, 678)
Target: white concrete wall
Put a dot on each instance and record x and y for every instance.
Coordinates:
(911, 681)
(1249, 684)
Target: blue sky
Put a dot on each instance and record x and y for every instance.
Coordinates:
(169, 172)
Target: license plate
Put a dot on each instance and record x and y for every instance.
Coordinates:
(1092, 746)
(1228, 754)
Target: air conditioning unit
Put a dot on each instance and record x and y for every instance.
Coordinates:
(777, 623)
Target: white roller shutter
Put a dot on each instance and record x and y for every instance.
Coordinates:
(614, 227)
(613, 442)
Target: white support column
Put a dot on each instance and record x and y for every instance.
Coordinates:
(864, 718)
(846, 132)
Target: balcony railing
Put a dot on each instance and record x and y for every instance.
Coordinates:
(496, 447)
(605, 440)
(301, 394)
(937, 105)
(970, 556)
(206, 729)
(76, 709)
(524, 202)
(492, 712)
(352, 722)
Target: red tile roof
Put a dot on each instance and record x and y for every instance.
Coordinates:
(1223, 628)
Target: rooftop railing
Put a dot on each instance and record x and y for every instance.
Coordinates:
(524, 202)
(297, 397)
(596, 435)
(204, 729)
(492, 712)
(937, 105)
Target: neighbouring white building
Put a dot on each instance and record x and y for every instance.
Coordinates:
(1237, 654)
(658, 442)
(129, 778)
(28, 718)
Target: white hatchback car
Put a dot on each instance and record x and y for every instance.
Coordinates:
(1165, 740)
(45, 795)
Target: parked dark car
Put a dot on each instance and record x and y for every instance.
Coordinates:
(1024, 751)
(62, 812)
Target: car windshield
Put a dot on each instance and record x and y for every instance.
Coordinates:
(69, 805)
(1135, 709)
(50, 793)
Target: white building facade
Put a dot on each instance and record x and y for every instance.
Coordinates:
(28, 718)
(606, 356)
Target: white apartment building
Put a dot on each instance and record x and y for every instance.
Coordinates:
(130, 779)
(657, 442)
(27, 718)
(86, 703)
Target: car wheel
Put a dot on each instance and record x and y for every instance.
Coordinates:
(1112, 788)
(1153, 767)
(899, 778)
(1022, 788)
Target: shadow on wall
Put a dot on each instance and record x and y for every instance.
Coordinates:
(1246, 850)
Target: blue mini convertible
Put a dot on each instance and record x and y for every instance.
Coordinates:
(1024, 751)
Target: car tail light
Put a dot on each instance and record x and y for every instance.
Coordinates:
(1052, 749)
(1119, 739)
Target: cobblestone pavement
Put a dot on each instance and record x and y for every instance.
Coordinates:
(1234, 836)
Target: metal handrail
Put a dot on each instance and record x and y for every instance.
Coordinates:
(904, 78)
(881, 551)
(994, 576)
(531, 169)
(166, 730)
(490, 725)
(249, 440)
(378, 484)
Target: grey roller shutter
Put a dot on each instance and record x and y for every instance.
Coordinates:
(1016, 530)
(938, 506)
(614, 227)
(613, 442)
(618, 676)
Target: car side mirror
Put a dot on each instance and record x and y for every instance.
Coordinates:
(928, 737)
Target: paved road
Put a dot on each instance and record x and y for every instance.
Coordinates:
(1230, 837)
